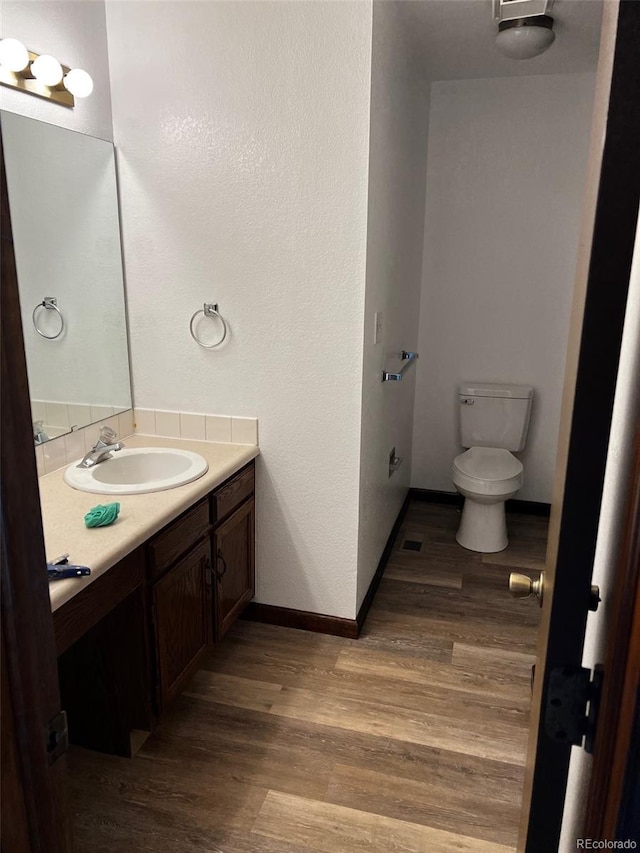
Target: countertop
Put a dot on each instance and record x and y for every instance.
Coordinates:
(100, 548)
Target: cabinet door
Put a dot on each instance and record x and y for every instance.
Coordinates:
(182, 615)
(234, 566)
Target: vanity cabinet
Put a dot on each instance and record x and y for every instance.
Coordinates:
(173, 596)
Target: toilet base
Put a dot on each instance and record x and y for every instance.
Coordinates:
(483, 527)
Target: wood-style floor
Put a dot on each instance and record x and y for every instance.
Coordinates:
(410, 739)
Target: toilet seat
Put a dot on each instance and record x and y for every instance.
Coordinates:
(488, 464)
(487, 471)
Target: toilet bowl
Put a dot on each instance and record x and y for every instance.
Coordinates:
(486, 477)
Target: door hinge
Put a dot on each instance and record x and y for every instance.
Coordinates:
(57, 736)
(573, 702)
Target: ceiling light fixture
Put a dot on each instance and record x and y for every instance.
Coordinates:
(524, 38)
(41, 75)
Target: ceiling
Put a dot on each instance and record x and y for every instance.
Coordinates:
(454, 39)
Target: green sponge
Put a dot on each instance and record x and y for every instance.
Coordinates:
(102, 515)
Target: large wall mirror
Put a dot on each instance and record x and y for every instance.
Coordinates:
(64, 213)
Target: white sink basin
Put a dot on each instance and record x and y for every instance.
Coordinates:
(137, 471)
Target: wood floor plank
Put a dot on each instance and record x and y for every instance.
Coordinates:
(502, 663)
(430, 802)
(471, 603)
(205, 734)
(234, 690)
(390, 630)
(339, 829)
(516, 559)
(464, 674)
(493, 740)
(440, 699)
(412, 570)
(148, 808)
(419, 633)
(498, 780)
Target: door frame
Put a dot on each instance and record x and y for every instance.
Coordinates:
(34, 786)
(602, 282)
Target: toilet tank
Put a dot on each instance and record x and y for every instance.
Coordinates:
(494, 415)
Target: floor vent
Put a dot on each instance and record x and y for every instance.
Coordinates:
(411, 545)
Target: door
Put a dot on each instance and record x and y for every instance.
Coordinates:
(234, 566)
(612, 806)
(182, 618)
(34, 803)
(610, 213)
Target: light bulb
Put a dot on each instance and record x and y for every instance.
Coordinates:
(14, 56)
(78, 82)
(47, 70)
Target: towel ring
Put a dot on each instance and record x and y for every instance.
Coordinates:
(209, 309)
(49, 302)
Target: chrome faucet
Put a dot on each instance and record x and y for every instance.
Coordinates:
(101, 450)
(39, 435)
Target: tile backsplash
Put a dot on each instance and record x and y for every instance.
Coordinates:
(226, 429)
(67, 448)
(61, 417)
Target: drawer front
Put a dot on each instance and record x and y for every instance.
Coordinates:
(229, 497)
(177, 538)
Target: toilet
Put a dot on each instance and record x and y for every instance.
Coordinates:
(494, 420)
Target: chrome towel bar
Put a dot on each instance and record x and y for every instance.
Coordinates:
(408, 358)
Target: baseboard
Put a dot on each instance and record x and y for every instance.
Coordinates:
(436, 497)
(375, 580)
(513, 505)
(528, 507)
(287, 617)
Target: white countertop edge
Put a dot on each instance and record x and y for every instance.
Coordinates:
(141, 516)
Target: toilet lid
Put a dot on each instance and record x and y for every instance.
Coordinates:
(488, 463)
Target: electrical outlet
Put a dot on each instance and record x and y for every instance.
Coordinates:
(377, 335)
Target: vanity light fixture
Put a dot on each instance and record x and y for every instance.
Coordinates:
(41, 74)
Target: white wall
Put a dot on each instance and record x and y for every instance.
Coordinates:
(397, 167)
(626, 414)
(242, 139)
(506, 167)
(74, 31)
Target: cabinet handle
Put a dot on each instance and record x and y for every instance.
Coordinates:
(221, 574)
(208, 568)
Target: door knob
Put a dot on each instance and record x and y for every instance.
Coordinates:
(521, 586)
